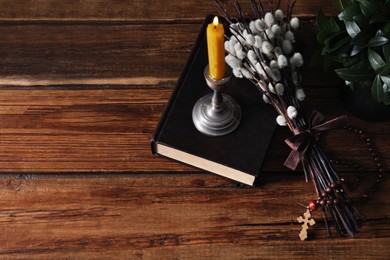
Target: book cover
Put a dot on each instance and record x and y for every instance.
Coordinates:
(238, 155)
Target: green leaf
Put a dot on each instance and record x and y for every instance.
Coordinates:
(375, 59)
(377, 41)
(377, 89)
(386, 96)
(361, 65)
(327, 63)
(325, 49)
(352, 29)
(322, 21)
(361, 20)
(386, 99)
(339, 44)
(356, 49)
(349, 61)
(352, 9)
(384, 70)
(335, 36)
(379, 18)
(354, 75)
(386, 27)
(326, 25)
(339, 4)
(368, 8)
(386, 80)
(364, 37)
(386, 52)
(341, 53)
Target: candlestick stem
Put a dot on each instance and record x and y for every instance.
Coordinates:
(217, 101)
(216, 114)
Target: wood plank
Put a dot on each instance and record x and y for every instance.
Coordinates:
(104, 129)
(135, 10)
(114, 54)
(146, 215)
(88, 54)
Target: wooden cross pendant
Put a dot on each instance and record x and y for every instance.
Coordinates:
(306, 220)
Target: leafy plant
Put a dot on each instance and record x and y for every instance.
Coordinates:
(359, 41)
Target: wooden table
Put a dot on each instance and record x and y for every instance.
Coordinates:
(83, 85)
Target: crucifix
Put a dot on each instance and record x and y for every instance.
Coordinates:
(306, 220)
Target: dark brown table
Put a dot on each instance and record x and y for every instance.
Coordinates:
(83, 85)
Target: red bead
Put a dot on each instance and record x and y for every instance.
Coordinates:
(313, 205)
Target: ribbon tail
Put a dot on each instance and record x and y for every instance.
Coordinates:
(337, 122)
(293, 160)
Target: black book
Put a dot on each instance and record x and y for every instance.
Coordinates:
(238, 155)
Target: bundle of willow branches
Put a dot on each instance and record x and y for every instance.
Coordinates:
(262, 50)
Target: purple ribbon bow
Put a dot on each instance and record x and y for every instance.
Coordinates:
(303, 136)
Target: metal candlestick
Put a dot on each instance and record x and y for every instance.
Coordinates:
(216, 114)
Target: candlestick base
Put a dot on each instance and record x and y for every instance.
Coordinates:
(216, 114)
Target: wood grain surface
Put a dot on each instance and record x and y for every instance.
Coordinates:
(82, 86)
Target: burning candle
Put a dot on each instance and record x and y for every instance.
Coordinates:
(216, 51)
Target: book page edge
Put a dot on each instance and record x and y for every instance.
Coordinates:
(205, 164)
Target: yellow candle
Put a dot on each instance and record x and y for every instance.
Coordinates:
(216, 50)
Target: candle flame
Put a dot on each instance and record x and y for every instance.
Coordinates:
(215, 21)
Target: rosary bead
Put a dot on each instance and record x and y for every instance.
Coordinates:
(328, 190)
(322, 202)
(367, 195)
(313, 205)
(329, 202)
(336, 186)
(323, 194)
